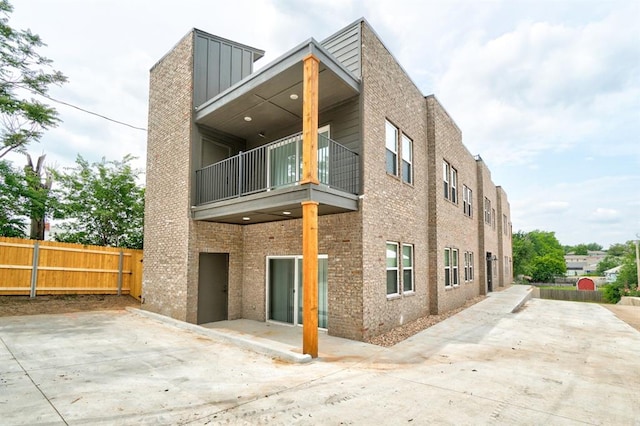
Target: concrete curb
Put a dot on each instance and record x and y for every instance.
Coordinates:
(258, 345)
(524, 300)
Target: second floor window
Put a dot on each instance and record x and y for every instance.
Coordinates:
(450, 179)
(407, 159)
(487, 211)
(467, 201)
(391, 144)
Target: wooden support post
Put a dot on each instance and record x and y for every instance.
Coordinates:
(310, 278)
(310, 120)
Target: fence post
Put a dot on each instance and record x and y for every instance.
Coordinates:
(34, 269)
(120, 262)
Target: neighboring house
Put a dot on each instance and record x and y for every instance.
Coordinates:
(579, 264)
(409, 222)
(611, 275)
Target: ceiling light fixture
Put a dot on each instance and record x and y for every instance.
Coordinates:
(246, 218)
(286, 213)
(293, 96)
(247, 118)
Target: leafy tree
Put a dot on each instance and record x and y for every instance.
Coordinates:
(538, 254)
(618, 249)
(523, 252)
(38, 185)
(607, 263)
(102, 202)
(544, 268)
(627, 282)
(12, 211)
(22, 70)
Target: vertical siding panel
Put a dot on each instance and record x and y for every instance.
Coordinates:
(200, 71)
(213, 69)
(236, 65)
(225, 67)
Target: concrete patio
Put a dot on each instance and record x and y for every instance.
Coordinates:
(547, 362)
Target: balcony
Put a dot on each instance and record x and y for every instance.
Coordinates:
(263, 184)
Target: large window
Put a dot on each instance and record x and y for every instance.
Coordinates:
(450, 182)
(447, 267)
(399, 268)
(467, 200)
(451, 269)
(454, 185)
(445, 178)
(392, 268)
(391, 143)
(407, 268)
(455, 276)
(407, 159)
(487, 210)
(468, 266)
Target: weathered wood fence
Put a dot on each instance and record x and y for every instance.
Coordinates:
(29, 267)
(571, 295)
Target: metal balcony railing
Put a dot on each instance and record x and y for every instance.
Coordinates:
(276, 165)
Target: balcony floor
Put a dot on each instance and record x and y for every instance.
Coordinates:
(270, 206)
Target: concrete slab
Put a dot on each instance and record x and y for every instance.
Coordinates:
(549, 362)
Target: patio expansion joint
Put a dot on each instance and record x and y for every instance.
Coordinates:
(32, 381)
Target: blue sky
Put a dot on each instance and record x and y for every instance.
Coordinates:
(547, 92)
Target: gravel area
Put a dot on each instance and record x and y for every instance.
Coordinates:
(405, 331)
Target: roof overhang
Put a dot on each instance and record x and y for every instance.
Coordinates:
(265, 95)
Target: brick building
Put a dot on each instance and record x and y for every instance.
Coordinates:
(409, 222)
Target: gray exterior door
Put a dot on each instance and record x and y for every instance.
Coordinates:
(489, 272)
(213, 283)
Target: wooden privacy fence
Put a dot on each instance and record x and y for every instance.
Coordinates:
(29, 267)
(572, 295)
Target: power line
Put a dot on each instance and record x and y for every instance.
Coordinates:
(89, 112)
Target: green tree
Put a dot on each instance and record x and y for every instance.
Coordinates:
(38, 185)
(102, 203)
(12, 206)
(23, 70)
(546, 267)
(618, 249)
(523, 252)
(627, 282)
(607, 263)
(538, 254)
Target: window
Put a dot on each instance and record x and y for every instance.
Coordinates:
(450, 179)
(447, 267)
(454, 185)
(391, 143)
(467, 201)
(407, 267)
(399, 275)
(454, 267)
(451, 270)
(392, 268)
(493, 218)
(468, 266)
(504, 224)
(445, 178)
(407, 159)
(487, 211)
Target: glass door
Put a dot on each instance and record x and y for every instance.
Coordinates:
(285, 289)
(282, 289)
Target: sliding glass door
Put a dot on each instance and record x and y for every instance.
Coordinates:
(285, 289)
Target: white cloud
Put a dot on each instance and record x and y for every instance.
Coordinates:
(604, 215)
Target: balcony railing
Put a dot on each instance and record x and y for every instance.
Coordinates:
(276, 165)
